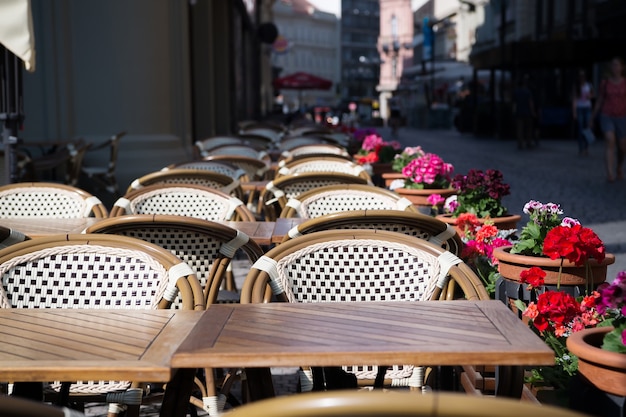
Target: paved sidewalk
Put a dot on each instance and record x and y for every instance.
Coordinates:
(551, 172)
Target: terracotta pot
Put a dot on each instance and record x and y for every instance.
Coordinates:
(502, 223)
(390, 177)
(603, 369)
(381, 168)
(420, 197)
(511, 265)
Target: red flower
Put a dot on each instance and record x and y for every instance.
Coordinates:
(577, 244)
(534, 277)
(558, 308)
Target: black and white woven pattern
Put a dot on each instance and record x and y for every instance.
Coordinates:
(345, 200)
(42, 202)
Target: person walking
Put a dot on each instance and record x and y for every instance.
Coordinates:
(581, 110)
(611, 106)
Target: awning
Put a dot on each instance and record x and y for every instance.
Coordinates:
(16, 30)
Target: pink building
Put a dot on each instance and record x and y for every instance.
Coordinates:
(395, 46)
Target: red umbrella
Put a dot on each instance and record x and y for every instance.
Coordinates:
(302, 81)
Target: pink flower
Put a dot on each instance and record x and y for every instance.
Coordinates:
(435, 199)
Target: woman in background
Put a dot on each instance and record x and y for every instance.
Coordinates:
(581, 109)
(611, 105)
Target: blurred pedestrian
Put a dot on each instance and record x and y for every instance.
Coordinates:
(581, 111)
(611, 107)
(525, 114)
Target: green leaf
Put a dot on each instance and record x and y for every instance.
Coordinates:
(613, 340)
(521, 306)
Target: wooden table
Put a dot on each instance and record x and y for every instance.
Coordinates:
(375, 333)
(282, 226)
(41, 227)
(82, 344)
(260, 232)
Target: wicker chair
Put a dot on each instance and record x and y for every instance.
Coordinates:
(413, 224)
(47, 199)
(22, 407)
(208, 247)
(255, 169)
(96, 271)
(344, 197)
(319, 150)
(210, 179)
(241, 150)
(223, 168)
(10, 237)
(183, 200)
(324, 164)
(360, 265)
(276, 194)
(201, 148)
(105, 175)
(395, 404)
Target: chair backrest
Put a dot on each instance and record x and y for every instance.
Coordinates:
(280, 190)
(46, 199)
(11, 406)
(344, 197)
(410, 223)
(77, 151)
(291, 142)
(221, 167)
(256, 169)
(358, 265)
(10, 237)
(324, 164)
(94, 271)
(207, 247)
(205, 178)
(378, 403)
(202, 147)
(182, 200)
(319, 150)
(239, 150)
(261, 137)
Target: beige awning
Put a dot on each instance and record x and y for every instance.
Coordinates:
(16, 30)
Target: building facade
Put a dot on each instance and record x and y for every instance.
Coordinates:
(360, 60)
(395, 47)
(311, 39)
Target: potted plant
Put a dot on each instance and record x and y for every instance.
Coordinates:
(481, 238)
(374, 149)
(572, 257)
(397, 165)
(586, 333)
(424, 176)
(480, 193)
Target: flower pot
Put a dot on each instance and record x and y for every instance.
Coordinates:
(603, 369)
(511, 265)
(420, 197)
(390, 177)
(573, 278)
(502, 223)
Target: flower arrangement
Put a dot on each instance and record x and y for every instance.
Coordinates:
(428, 171)
(556, 315)
(407, 155)
(548, 235)
(479, 193)
(480, 240)
(375, 149)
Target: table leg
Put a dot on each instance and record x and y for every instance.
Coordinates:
(509, 381)
(177, 393)
(259, 384)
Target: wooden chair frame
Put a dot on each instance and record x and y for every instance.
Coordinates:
(256, 169)
(105, 175)
(344, 197)
(48, 199)
(414, 224)
(205, 178)
(277, 192)
(184, 200)
(335, 164)
(221, 167)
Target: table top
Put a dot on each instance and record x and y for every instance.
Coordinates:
(375, 333)
(283, 226)
(84, 344)
(43, 226)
